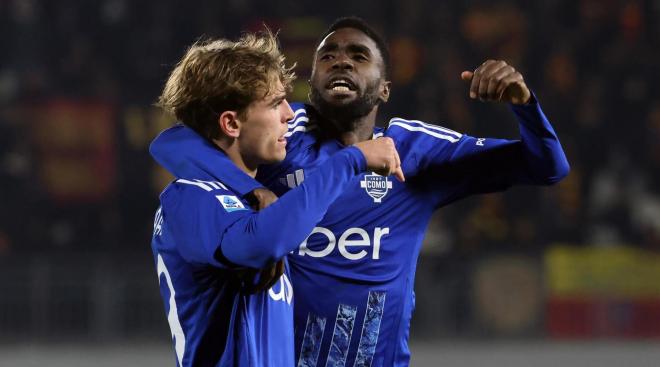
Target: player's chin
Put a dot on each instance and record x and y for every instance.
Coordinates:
(277, 154)
(340, 100)
(340, 96)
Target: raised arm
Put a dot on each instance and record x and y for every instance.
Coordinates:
(537, 158)
(450, 165)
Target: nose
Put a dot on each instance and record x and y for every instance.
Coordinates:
(287, 113)
(343, 62)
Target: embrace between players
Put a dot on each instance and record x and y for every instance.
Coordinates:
(354, 199)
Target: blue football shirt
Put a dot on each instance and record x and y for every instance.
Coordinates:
(205, 233)
(354, 274)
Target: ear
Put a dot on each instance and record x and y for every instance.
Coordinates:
(384, 94)
(229, 123)
(309, 91)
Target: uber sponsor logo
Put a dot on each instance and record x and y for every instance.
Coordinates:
(376, 186)
(348, 242)
(230, 203)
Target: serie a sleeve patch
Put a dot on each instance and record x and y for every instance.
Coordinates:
(231, 203)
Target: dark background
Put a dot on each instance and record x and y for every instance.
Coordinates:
(575, 261)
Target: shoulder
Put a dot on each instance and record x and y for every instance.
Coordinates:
(420, 131)
(198, 187)
(300, 120)
(200, 195)
(301, 129)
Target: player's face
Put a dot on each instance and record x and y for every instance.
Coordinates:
(261, 139)
(347, 77)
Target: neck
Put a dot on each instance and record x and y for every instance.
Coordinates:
(230, 147)
(355, 131)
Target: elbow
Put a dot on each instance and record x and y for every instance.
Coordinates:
(274, 249)
(264, 258)
(253, 245)
(154, 150)
(263, 252)
(560, 171)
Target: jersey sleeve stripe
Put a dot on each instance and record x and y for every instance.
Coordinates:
(195, 183)
(437, 128)
(297, 113)
(297, 129)
(215, 184)
(297, 122)
(436, 134)
(297, 116)
(206, 185)
(212, 184)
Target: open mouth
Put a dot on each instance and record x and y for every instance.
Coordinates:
(341, 85)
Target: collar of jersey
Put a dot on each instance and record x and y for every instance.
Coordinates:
(211, 162)
(377, 133)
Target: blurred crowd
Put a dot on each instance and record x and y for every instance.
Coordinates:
(78, 80)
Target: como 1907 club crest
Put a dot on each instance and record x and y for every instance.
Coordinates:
(376, 186)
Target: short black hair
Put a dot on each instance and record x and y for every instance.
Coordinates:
(364, 27)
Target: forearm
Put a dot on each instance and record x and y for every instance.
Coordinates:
(263, 237)
(544, 158)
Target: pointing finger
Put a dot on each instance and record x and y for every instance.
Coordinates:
(398, 173)
(397, 159)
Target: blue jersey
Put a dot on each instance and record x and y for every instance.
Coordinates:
(354, 274)
(205, 235)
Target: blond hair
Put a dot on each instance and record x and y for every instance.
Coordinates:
(222, 75)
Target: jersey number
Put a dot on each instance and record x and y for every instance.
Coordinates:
(172, 315)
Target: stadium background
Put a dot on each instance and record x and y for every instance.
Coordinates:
(568, 274)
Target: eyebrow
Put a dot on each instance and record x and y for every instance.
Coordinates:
(352, 47)
(327, 47)
(277, 99)
(357, 48)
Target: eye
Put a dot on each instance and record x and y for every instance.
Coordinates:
(277, 104)
(360, 57)
(326, 57)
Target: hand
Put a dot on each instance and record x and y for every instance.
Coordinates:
(270, 274)
(495, 80)
(382, 157)
(264, 198)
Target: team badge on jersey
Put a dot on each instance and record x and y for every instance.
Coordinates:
(376, 186)
(230, 203)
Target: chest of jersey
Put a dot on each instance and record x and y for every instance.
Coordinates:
(374, 222)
